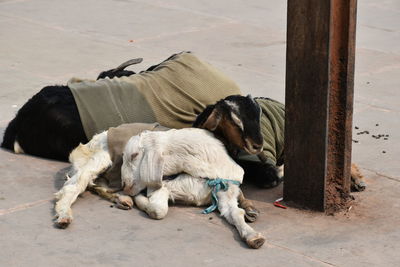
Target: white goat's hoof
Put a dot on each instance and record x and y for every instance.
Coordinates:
(251, 214)
(256, 241)
(124, 202)
(63, 222)
(156, 215)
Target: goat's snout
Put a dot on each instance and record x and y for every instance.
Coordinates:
(253, 148)
(257, 147)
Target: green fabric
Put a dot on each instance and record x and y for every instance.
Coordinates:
(272, 128)
(117, 137)
(172, 94)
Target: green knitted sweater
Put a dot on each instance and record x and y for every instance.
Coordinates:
(272, 129)
(172, 94)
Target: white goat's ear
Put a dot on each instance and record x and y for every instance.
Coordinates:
(213, 120)
(151, 169)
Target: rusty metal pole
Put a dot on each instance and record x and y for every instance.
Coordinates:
(319, 102)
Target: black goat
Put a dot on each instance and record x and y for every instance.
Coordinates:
(235, 120)
(48, 125)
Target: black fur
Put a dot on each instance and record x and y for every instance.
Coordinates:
(203, 116)
(262, 173)
(248, 112)
(48, 125)
(112, 73)
(120, 70)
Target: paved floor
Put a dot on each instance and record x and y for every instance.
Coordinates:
(46, 41)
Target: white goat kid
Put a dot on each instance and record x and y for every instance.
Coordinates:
(152, 156)
(159, 155)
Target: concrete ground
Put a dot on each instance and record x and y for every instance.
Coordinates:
(46, 42)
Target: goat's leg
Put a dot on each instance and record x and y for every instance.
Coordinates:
(122, 201)
(263, 174)
(228, 206)
(251, 213)
(68, 194)
(357, 179)
(120, 70)
(77, 184)
(156, 205)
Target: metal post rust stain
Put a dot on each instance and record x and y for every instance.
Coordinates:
(342, 50)
(319, 102)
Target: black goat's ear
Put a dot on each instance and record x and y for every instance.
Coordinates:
(208, 119)
(213, 120)
(202, 117)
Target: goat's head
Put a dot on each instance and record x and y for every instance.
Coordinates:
(236, 121)
(142, 165)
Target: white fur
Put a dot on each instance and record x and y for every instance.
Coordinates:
(237, 121)
(281, 171)
(147, 158)
(235, 109)
(175, 151)
(17, 148)
(233, 105)
(88, 161)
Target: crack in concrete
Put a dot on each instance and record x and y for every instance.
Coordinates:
(383, 175)
(100, 36)
(24, 206)
(177, 33)
(375, 107)
(187, 10)
(301, 254)
(378, 28)
(12, 2)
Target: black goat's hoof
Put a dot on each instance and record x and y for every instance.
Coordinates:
(270, 176)
(272, 183)
(358, 186)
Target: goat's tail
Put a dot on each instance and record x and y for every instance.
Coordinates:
(10, 135)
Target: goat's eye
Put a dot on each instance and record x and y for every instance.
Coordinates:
(133, 156)
(236, 120)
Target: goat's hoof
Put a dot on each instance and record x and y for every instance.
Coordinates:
(157, 215)
(272, 183)
(63, 222)
(256, 241)
(124, 202)
(358, 186)
(251, 214)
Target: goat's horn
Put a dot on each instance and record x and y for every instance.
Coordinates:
(128, 63)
